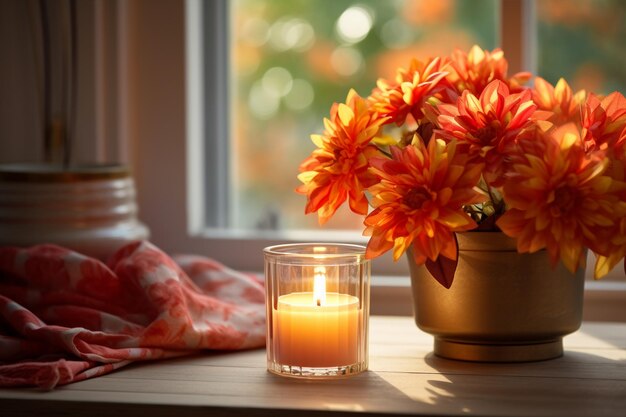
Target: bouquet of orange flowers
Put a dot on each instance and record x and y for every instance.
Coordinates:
(453, 144)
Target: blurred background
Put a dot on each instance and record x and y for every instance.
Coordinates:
(293, 58)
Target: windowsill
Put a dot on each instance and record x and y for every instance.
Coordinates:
(404, 378)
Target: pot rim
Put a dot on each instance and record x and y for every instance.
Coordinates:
(55, 173)
(493, 241)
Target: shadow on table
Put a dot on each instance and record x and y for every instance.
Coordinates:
(243, 375)
(577, 384)
(367, 394)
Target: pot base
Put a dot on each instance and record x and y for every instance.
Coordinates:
(476, 352)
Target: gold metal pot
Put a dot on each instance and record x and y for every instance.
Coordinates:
(502, 306)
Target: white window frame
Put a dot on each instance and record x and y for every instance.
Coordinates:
(164, 132)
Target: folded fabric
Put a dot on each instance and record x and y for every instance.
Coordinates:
(65, 317)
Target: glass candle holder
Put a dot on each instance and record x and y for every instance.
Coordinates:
(317, 300)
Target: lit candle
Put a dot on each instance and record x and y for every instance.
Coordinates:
(317, 300)
(317, 329)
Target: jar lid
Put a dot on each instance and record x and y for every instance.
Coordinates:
(56, 173)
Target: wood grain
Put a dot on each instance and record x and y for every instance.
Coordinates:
(404, 378)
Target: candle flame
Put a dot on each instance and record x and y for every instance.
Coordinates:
(319, 285)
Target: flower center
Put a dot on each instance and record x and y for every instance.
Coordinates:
(486, 134)
(343, 154)
(564, 200)
(416, 197)
(344, 160)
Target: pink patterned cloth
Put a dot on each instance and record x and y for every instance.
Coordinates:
(65, 317)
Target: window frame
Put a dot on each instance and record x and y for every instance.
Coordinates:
(166, 144)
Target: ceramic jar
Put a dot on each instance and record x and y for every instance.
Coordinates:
(90, 209)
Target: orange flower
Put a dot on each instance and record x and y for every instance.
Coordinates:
(419, 200)
(603, 123)
(604, 129)
(410, 90)
(551, 163)
(564, 105)
(616, 242)
(559, 197)
(474, 71)
(338, 169)
(490, 124)
(615, 236)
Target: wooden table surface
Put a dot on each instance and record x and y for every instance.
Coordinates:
(404, 378)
